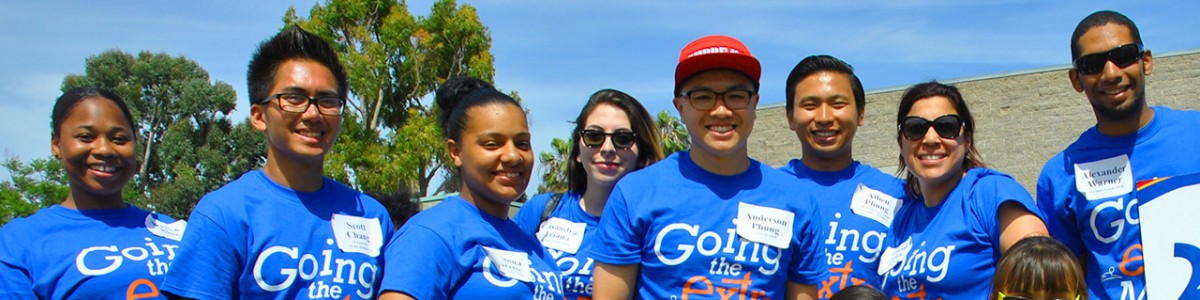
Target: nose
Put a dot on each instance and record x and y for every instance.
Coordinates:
(511, 155)
(931, 137)
(1111, 72)
(311, 112)
(103, 147)
(824, 114)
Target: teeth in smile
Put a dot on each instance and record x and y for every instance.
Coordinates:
(311, 134)
(931, 157)
(511, 174)
(103, 168)
(824, 133)
(1113, 92)
(723, 128)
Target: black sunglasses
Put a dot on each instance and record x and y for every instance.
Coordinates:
(914, 128)
(595, 138)
(1122, 56)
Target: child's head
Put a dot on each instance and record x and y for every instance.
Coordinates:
(1039, 267)
(858, 292)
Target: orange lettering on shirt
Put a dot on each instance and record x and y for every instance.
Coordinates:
(131, 292)
(1132, 259)
(687, 287)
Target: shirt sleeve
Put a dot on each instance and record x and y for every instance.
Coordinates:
(808, 260)
(207, 264)
(420, 263)
(1054, 203)
(15, 280)
(530, 215)
(621, 234)
(990, 193)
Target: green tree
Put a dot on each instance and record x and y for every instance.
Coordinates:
(554, 164)
(187, 145)
(390, 138)
(33, 185)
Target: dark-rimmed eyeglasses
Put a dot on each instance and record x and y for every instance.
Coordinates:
(1122, 56)
(1008, 297)
(595, 138)
(948, 127)
(707, 99)
(298, 103)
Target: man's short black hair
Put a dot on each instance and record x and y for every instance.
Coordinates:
(1097, 19)
(291, 43)
(817, 63)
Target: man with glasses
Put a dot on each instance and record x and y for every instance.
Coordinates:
(825, 106)
(710, 223)
(1088, 192)
(286, 231)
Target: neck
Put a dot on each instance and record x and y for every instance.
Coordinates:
(935, 193)
(721, 165)
(592, 201)
(830, 164)
(300, 176)
(80, 200)
(496, 208)
(1125, 126)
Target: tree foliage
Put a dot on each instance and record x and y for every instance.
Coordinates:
(37, 184)
(390, 138)
(187, 145)
(673, 135)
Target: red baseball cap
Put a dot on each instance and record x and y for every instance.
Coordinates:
(715, 52)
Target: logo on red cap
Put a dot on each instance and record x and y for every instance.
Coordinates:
(716, 52)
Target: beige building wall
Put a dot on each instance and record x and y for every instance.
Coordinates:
(1023, 118)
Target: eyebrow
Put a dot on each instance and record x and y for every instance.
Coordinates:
(304, 91)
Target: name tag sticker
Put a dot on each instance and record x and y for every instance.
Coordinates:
(1104, 178)
(874, 205)
(893, 256)
(512, 264)
(172, 231)
(767, 225)
(562, 235)
(357, 234)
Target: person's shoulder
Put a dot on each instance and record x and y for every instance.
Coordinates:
(654, 173)
(1177, 116)
(249, 183)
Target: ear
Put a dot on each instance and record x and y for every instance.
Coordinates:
(1148, 62)
(54, 147)
(1074, 76)
(792, 121)
(678, 105)
(862, 113)
(258, 117)
(454, 151)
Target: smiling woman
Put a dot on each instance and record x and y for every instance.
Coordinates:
(958, 216)
(82, 248)
(466, 247)
(613, 136)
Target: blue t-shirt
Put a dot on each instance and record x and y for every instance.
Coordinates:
(63, 253)
(576, 267)
(1095, 212)
(256, 239)
(857, 204)
(677, 222)
(956, 244)
(443, 253)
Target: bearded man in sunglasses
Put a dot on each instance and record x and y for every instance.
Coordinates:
(710, 222)
(1088, 192)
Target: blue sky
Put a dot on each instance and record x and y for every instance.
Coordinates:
(556, 53)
